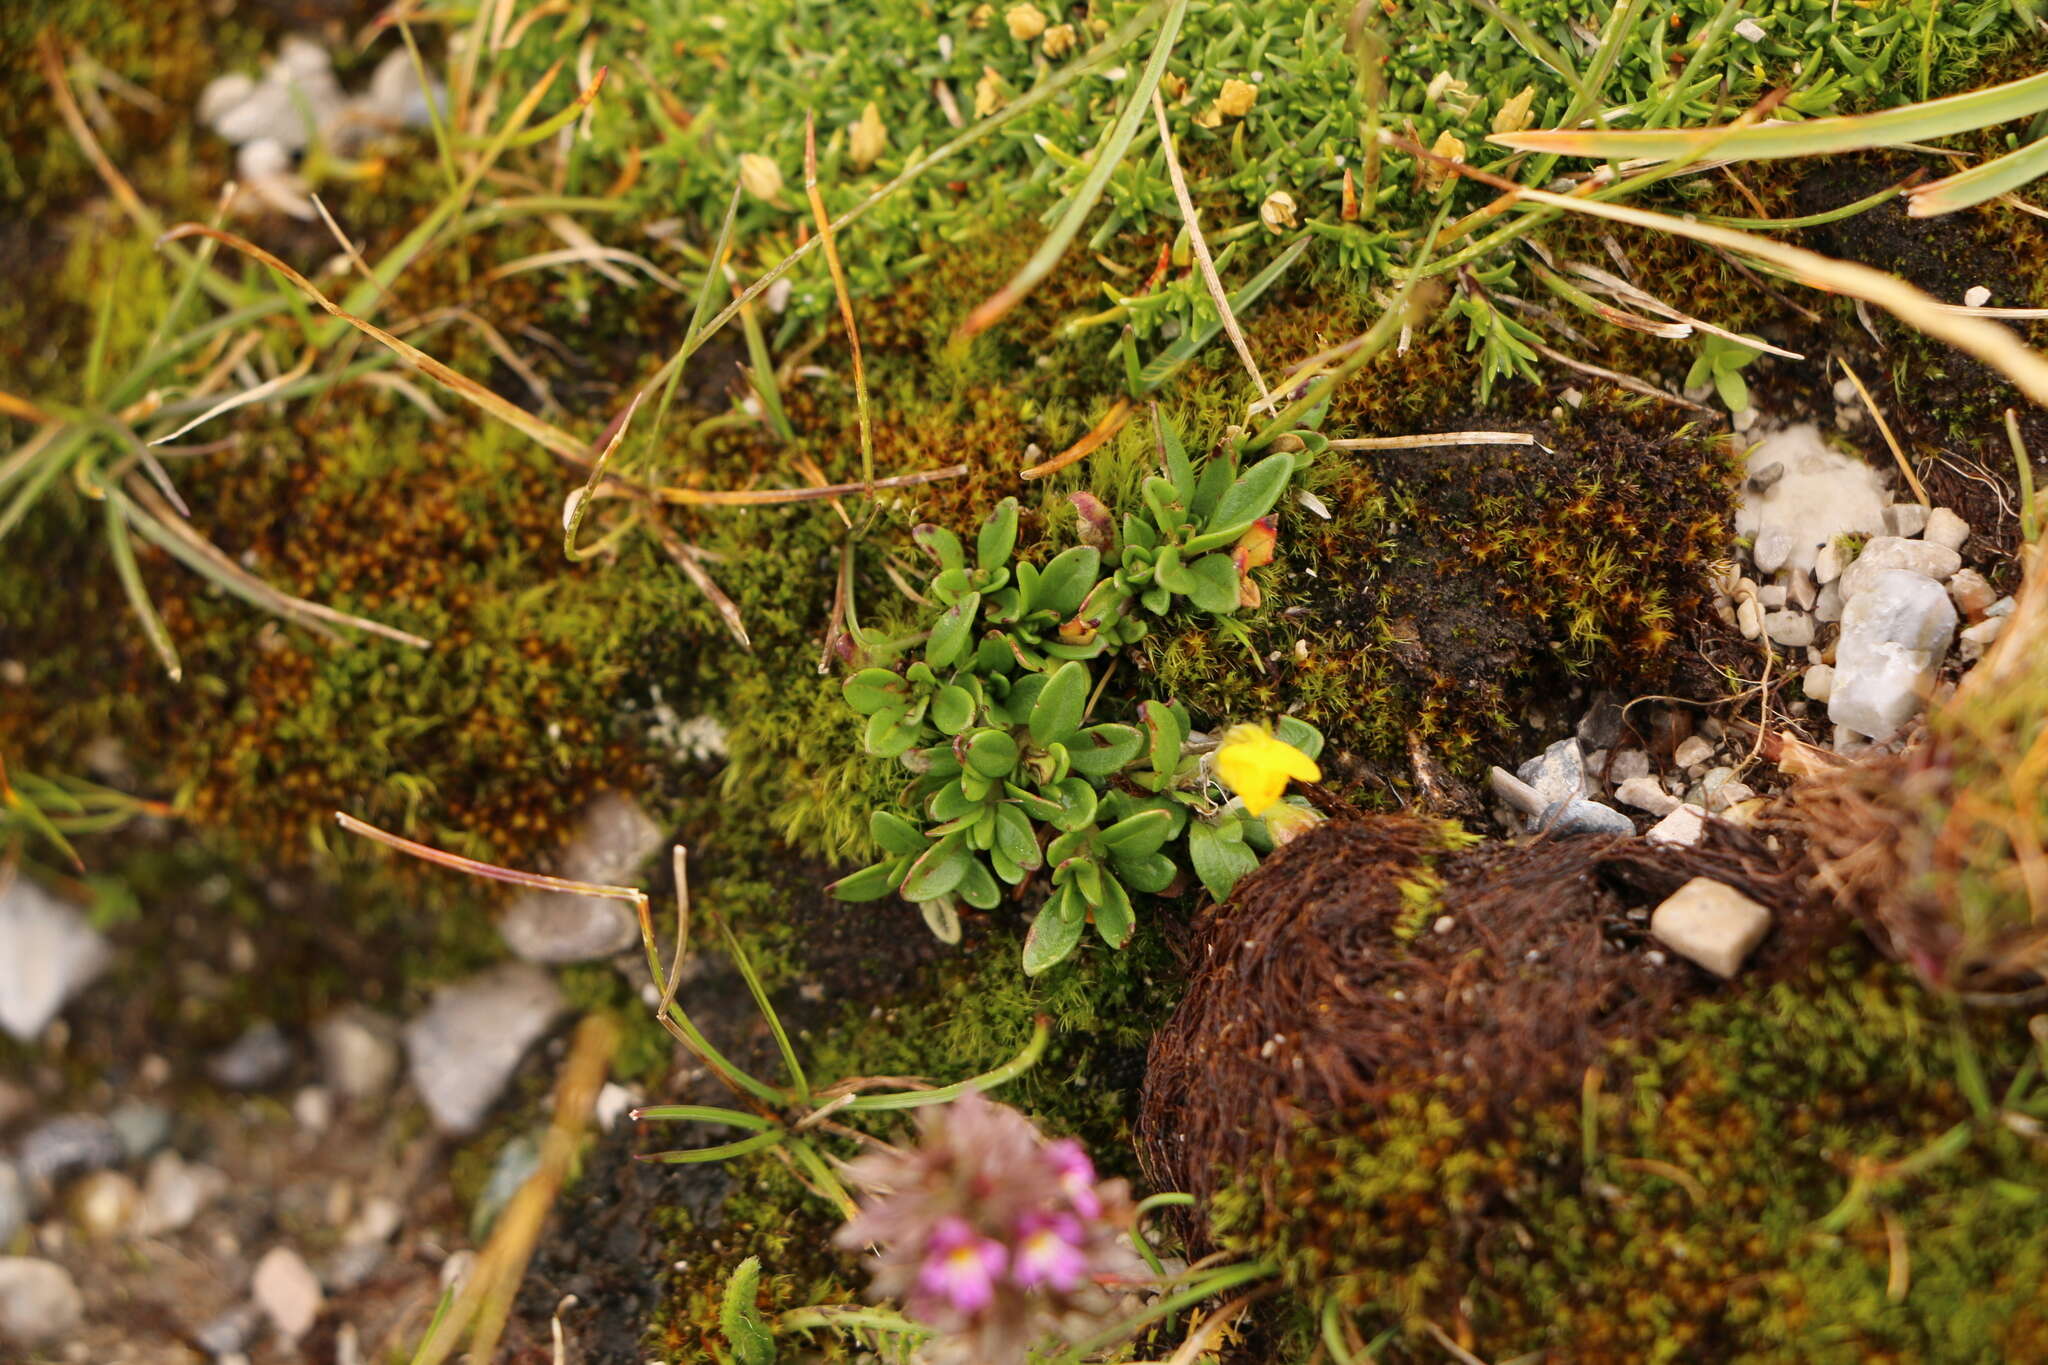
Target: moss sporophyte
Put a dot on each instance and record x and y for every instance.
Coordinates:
(994, 720)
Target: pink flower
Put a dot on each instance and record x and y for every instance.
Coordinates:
(1049, 1252)
(992, 1234)
(1075, 1175)
(960, 1268)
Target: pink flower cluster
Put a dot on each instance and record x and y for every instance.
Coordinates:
(991, 1233)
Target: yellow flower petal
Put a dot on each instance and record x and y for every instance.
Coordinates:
(1257, 766)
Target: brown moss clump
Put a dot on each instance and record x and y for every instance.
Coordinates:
(1454, 584)
(1370, 953)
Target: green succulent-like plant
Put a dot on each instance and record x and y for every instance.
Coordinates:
(1186, 543)
(1720, 361)
(1010, 776)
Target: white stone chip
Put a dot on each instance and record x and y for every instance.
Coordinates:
(1905, 519)
(1711, 923)
(1884, 553)
(1946, 528)
(1644, 793)
(1894, 635)
(1692, 749)
(1819, 682)
(1976, 296)
(1684, 825)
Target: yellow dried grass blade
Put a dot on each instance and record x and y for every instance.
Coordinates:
(547, 434)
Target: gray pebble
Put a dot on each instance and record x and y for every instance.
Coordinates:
(257, 1059)
(1563, 818)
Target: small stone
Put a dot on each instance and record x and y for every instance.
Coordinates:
(257, 1059)
(1518, 795)
(1827, 564)
(1683, 825)
(468, 1042)
(48, 953)
(1713, 781)
(39, 1302)
(61, 1146)
(377, 1221)
(104, 1205)
(1793, 629)
(1626, 764)
(1800, 589)
(358, 1053)
(2002, 607)
(1971, 592)
(1771, 596)
(1894, 635)
(1763, 478)
(1747, 418)
(1772, 550)
(229, 1333)
(313, 1107)
(1711, 923)
(612, 1103)
(1905, 519)
(1827, 603)
(175, 1192)
(1601, 726)
(1946, 529)
(1749, 618)
(1580, 816)
(1818, 682)
(1645, 793)
(287, 1291)
(1557, 774)
(613, 838)
(1886, 553)
(1731, 794)
(1693, 749)
(141, 1126)
(1980, 637)
(1976, 296)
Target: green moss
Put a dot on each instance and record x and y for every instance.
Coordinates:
(1701, 1228)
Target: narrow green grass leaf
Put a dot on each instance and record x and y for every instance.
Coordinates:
(1109, 153)
(130, 574)
(1852, 132)
(1987, 180)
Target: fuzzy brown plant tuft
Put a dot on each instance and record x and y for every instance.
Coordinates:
(1369, 956)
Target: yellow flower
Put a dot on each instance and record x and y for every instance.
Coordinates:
(869, 139)
(1257, 766)
(1277, 213)
(1059, 40)
(1515, 115)
(988, 93)
(761, 176)
(1026, 22)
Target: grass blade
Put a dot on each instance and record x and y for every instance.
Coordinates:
(1109, 153)
(1988, 180)
(130, 574)
(824, 221)
(1847, 133)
